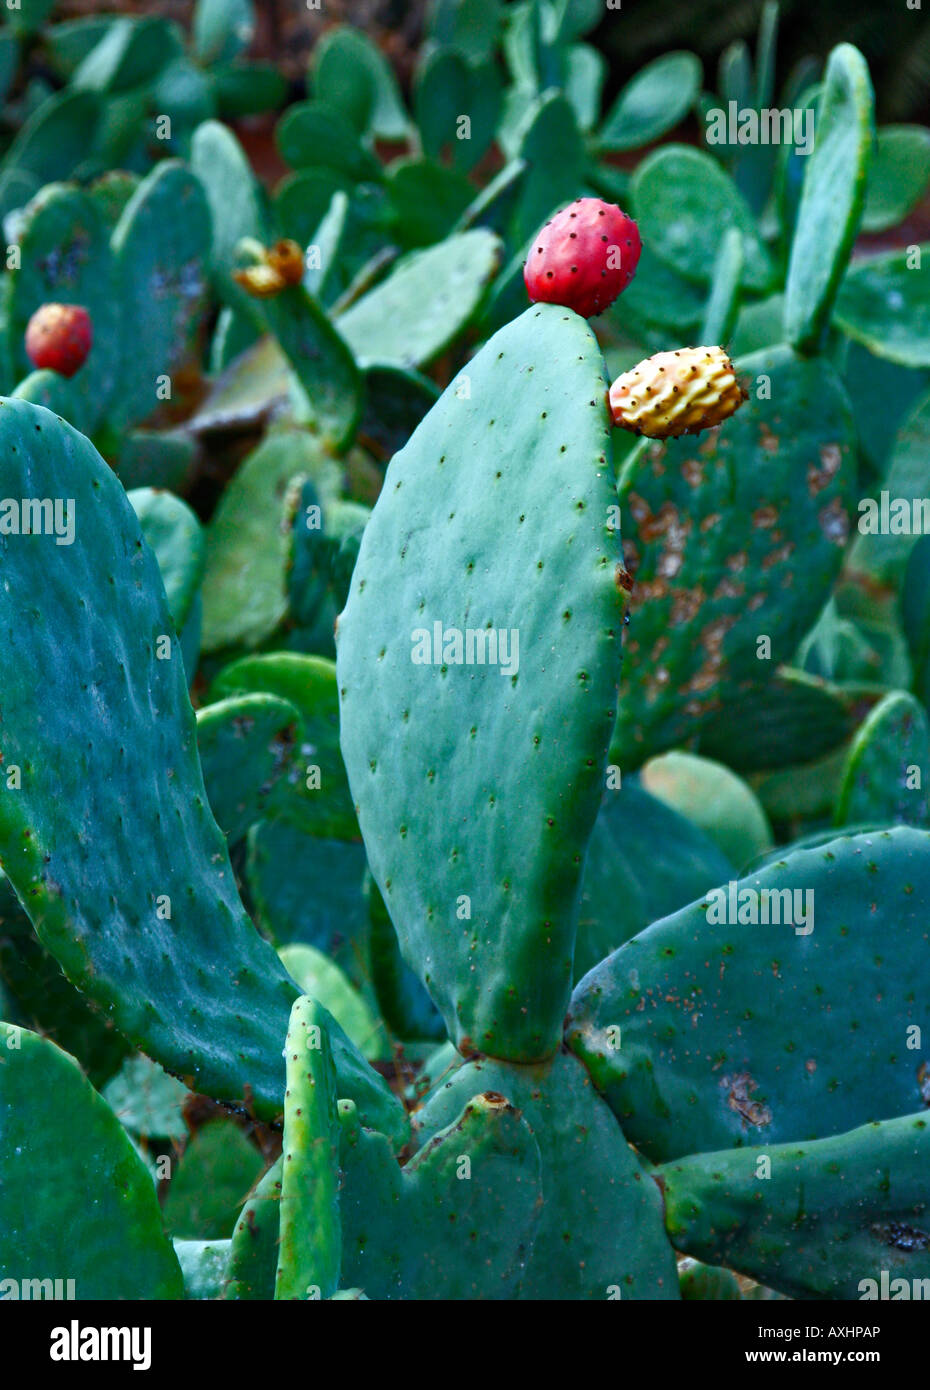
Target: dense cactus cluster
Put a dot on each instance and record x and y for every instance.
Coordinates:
(452, 847)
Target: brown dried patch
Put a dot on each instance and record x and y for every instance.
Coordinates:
(739, 1090)
(710, 521)
(778, 556)
(923, 1083)
(738, 562)
(729, 588)
(623, 579)
(764, 517)
(830, 460)
(646, 590)
(768, 441)
(692, 470)
(686, 605)
(755, 602)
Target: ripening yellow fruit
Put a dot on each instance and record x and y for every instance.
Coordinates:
(260, 281)
(676, 393)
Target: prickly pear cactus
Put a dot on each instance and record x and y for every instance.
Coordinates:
(453, 849)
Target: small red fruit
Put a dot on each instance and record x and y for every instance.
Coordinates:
(59, 336)
(584, 257)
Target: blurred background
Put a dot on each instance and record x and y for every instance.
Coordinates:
(894, 38)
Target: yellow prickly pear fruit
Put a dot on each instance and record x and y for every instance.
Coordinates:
(675, 393)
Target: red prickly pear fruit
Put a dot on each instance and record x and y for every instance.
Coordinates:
(59, 336)
(584, 257)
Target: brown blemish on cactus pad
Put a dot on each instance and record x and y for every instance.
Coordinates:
(739, 1090)
(923, 1083)
(768, 441)
(830, 460)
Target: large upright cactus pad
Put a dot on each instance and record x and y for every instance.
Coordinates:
(477, 781)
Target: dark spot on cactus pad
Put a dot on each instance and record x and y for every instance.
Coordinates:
(898, 1236)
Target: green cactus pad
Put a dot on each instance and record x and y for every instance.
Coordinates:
(37, 995)
(898, 177)
(244, 595)
(321, 805)
(883, 543)
(96, 857)
(320, 977)
(395, 402)
(657, 299)
(132, 51)
(644, 861)
(915, 614)
(162, 246)
(403, 1003)
(730, 1034)
(652, 102)
(352, 74)
(887, 773)
(427, 200)
(501, 498)
(832, 199)
(446, 88)
(63, 396)
(253, 1251)
(600, 1228)
(425, 303)
(794, 718)
(309, 889)
(236, 204)
(320, 359)
(553, 149)
(845, 1217)
(246, 747)
(312, 134)
(723, 304)
(731, 537)
(176, 536)
(147, 1101)
(310, 1249)
(222, 29)
(85, 1209)
(707, 1282)
(66, 259)
(211, 1182)
(203, 1265)
(159, 459)
(713, 798)
(684, 202)
(246, 393)
(412, 1233)
(870, 303)
(56, 137)
(493, 207)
